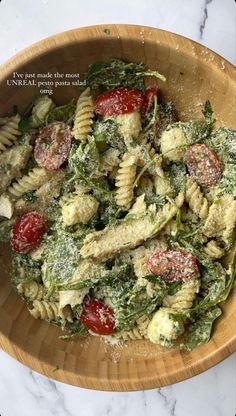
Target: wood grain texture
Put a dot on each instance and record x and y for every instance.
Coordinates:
(194, 74)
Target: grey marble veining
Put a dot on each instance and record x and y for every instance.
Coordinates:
(26, 393)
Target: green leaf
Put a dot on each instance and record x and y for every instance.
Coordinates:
(25, 269)
(199, 332)
(63, 113)
(24, 124)
(117, 73)
(29, 197)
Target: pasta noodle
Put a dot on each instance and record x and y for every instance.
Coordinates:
(9, 132)
(183, 299)
(49, 311)
(125, 179)
(35, 178)
(32, 290)
(83, 116)
(137, 333)
(197, 202)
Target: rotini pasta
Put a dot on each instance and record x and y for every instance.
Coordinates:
(142, 324)
(35, 178)
(125, 179)
(137, 333)
(183, 299)
(50, 311)
(31, 290)
(194, 197)
(132, 335)
(9, 132)
(83, 116)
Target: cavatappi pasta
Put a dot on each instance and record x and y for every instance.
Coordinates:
(115, 210)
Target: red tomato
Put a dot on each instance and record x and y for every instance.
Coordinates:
(27, 232)
(203, 165)
(148, 98)
(52, 145)
(173, 265)
(118, 101)
(97, 317)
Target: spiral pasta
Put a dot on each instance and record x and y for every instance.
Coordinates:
(213, 250)
(30, 182)
(183, 299)
(9, 132)
(137, 333)
(49, 311)
(142, 324)
(195, 198)
(31, 290)
(125, 179)
(83, 116)
(132, 335)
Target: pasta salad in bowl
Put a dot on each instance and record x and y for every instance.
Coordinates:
(120, 216)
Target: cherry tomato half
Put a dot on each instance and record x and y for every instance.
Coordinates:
(53, 145)
(173, 265)
(27, 232)
(118, 101)
(203, 165)
(148, 98)
(98, 317)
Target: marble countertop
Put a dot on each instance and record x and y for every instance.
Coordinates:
(26, 393)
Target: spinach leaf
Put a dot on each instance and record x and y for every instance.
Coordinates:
(177, 176)
(5, 229)
(63, 113)
(25, 269)
(84, 160)
(75, 329)
(130, 301)
(29, 197)
(199, 332)
(105, 76)
(24, 124)
(223, 142)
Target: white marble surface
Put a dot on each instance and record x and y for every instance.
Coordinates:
(25, 393)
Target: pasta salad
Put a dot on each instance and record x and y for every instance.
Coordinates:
(121, 218)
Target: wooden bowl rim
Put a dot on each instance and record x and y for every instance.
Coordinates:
(52, 43)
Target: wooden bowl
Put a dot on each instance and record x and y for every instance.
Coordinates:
(194, 74)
